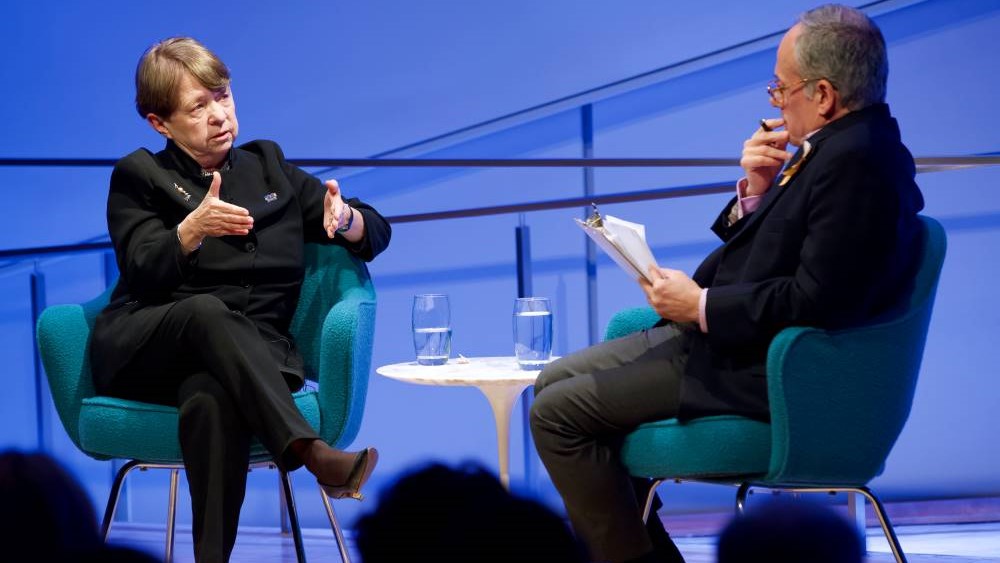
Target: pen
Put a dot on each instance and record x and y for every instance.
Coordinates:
(763, 124)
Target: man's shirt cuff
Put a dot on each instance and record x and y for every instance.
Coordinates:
(745, 204)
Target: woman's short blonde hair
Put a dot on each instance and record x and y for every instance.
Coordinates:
(163, 65)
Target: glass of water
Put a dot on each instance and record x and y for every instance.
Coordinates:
(532, 332)
(431, 329)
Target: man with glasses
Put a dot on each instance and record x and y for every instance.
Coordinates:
(825, 236)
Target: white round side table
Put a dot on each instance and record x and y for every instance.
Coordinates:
(499, 378)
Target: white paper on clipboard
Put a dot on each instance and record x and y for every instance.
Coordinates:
(624, 241)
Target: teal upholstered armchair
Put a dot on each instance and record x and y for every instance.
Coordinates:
(838, 402)
(333, 327)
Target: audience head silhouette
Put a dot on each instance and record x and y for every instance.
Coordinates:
(47, 516)
(790, 531)
(449, 514)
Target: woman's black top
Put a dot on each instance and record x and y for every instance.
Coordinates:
(258, 275)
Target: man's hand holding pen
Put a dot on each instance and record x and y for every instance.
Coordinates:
(763, 156)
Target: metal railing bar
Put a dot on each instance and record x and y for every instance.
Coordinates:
(970, 160)
(423, 162)
(39, 251)
(60, 162)
(662, 193)
(518, 162)
(621, 197)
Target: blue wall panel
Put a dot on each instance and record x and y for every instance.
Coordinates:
(355, 79)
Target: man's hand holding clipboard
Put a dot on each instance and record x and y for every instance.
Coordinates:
(672, 293)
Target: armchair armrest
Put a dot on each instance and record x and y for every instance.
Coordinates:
(344, 366)
(627, 321)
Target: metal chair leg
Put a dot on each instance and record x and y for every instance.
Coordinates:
(648, 507)
(171, 516)
(337, 533)
(116, 489)
(887, 529)
(283, 508)
(741, 498)
(293, 516)
(883, 518)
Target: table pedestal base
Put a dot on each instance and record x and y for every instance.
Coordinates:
(502, 399)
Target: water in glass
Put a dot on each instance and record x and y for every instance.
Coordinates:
(532, 332)
(433, 345)
(431, 329)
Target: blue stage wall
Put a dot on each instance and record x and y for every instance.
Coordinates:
(357, 79)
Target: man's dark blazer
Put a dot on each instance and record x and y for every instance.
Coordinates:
(831, 248)
(258, 275)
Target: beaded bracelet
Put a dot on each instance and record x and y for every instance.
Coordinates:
(350, 221)
(178, 229)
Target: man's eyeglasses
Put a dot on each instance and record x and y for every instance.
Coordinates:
(777, 91)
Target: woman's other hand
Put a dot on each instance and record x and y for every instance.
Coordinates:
(338, 217)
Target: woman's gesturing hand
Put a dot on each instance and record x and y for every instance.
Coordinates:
(213, 218)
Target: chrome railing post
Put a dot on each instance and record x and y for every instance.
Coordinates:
(587, 134)
(42, 429)
(522, 244)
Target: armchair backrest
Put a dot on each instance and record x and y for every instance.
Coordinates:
(63, 333)
(839, 399)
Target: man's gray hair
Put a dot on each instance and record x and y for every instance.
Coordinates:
(844, 46)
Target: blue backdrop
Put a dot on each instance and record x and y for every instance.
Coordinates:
(363, 78)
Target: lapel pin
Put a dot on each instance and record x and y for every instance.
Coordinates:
(271, 197)
(183, 192)
(788, 173)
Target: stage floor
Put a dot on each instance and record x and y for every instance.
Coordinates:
(950, 531)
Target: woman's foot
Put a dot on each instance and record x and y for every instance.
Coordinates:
(341, 474)
(364, 464)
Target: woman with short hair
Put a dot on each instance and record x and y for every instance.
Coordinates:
(209, 241)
